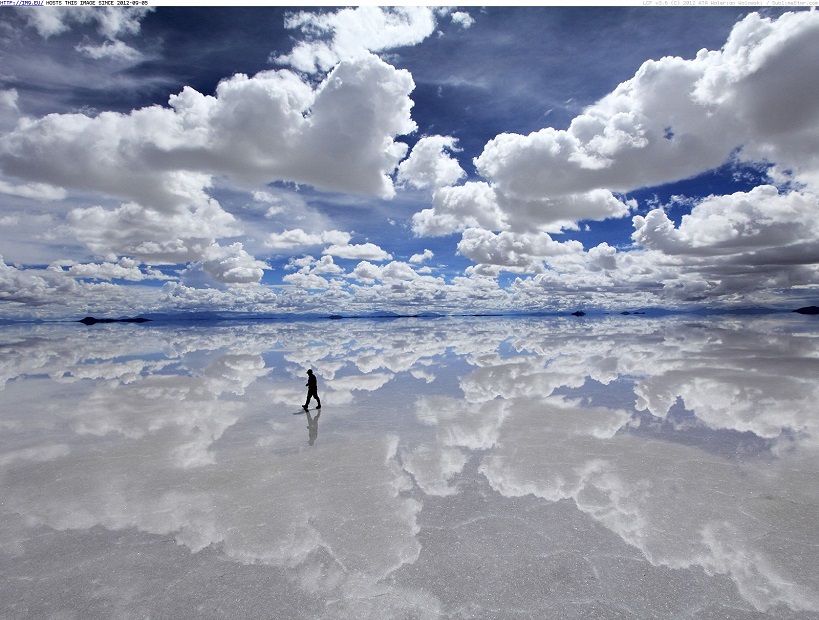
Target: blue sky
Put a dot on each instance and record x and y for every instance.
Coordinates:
(450, 159)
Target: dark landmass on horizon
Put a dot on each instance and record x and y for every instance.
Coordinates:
(90, 320)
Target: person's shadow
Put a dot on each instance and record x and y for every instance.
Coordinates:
(312, 427)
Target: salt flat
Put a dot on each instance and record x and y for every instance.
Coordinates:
(618, 467)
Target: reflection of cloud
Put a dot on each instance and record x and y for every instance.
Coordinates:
(368, 530)
(39, 454)
(171, 434)
(678, 505)
(737, 376)
(459, 427)
(144, 450)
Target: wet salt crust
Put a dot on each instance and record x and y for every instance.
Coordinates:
(461, 468)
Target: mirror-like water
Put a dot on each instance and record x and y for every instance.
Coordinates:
(459, 468)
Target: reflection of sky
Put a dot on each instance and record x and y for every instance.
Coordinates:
(623, 467)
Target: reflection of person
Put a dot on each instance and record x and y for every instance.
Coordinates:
(312, 428)
(312, 390)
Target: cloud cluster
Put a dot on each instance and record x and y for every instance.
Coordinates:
(157, 185)
(162, 160)
(353, 33)
(513, 251)
(430, 164)
(675, 118)
(110, 22)
(753, 101)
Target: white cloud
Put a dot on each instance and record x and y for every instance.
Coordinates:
(312, 273)
(33, 287)
(741, 222)
(151, 235)
(513, 251)
(161, 160)
(366, 251)
(8, 98)
(297, 238)
(423, 257)
(473, 205)
(482, 205)
(366, 272)
(306, 280)
(113, 50)
(674, 119)
(394, 272)
(231, 265)
(36, 191)
(462, 18)
(252, 129)
(111, 22)
(430, 165)
(123, 269)
(325, 265)
(352, 33)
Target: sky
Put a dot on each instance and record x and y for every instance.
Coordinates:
(328, 160)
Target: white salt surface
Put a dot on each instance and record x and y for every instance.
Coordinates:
(624, 467)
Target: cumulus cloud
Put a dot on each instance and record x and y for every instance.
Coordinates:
(395, 270)
(124, 269)
(306, 280)
(161, 161)
(760, 219)
(252, 128)
(430, 164)
(229, 265)
(478, 204)
(298, 238)
(473, 204)
(324, 265)
(754, 101)
(423, 257)
(33, 287)
(675, 118)
(513, 251)
(462, 18)
(151, 235)
(8, 98)
(353, 33)
(312, 273)
(366, 251)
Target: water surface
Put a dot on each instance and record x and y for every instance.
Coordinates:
(624, 467)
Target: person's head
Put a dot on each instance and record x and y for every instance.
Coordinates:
(309, 371)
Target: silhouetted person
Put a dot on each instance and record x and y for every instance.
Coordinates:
(312, 428)
(312, 391)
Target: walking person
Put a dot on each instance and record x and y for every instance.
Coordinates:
(312, 390)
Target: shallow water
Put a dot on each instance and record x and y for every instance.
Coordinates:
(624, 467)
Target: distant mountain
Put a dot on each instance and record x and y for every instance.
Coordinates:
(386, 315)
(808, 310)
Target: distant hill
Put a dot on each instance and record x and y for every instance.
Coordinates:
(808, 310)
(90, 320)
